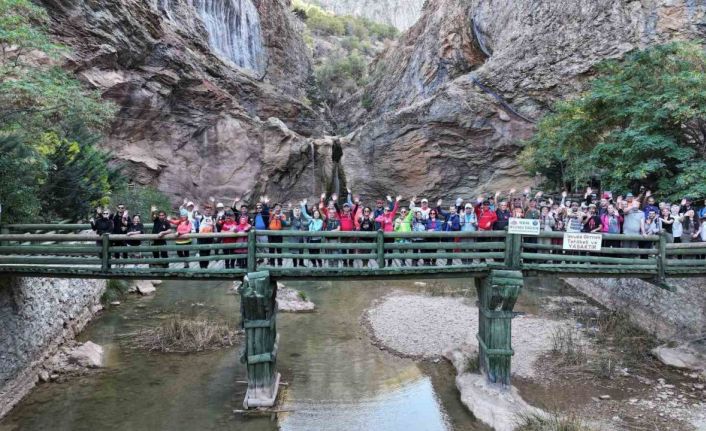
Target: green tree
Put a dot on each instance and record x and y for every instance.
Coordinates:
(49, 125)
(642, 121)
(140, 200)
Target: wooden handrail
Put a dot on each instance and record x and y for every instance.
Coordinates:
(94, 255)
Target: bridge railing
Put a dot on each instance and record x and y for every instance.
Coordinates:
(619, 254)
(361, 252)
(345, 253)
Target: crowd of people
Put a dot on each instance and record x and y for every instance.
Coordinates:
(594, 213)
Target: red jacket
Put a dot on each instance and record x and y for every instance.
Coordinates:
(486, 219)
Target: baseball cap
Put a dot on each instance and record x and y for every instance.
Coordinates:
(219, 205)
(190, 204)
(469, 206)
(629, 195)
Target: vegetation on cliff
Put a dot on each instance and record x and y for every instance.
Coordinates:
(342, 47)
(49, 126)
(642, 121)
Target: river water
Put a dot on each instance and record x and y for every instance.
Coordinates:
(337, 379)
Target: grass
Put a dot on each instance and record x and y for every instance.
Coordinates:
(549, 422)
(568, 346)
(116, 290)
(302, 296)
(180, 334)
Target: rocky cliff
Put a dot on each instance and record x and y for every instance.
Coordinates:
(37, 315)
(451, 101)
(213, 92)
(210, 91)
(399, 13)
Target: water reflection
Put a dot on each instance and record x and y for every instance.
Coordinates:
(338, 379)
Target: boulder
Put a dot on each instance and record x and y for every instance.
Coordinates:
(145, 287)
(89, 355)
(683, 356)
(293, 301)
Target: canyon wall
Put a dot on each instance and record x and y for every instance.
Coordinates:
(398, 13)
(450, 103)
(213, 93)
(201, 112)
(37, 315)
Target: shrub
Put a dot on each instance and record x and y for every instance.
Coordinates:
(140, 200)
(549, 422)
(180, 334)
(115, 290)
(567, 344)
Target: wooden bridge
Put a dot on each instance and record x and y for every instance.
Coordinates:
(498, 262)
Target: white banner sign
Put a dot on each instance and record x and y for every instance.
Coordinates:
(523, 226)
(582, 241)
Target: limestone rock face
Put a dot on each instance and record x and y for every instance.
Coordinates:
(193, 116)
(453, 99)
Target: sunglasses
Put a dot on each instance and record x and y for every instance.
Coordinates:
(106, 213)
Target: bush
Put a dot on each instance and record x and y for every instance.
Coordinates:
(549, 422)
(186, 335)
(567, 344)
(140, 200)
(641, 122)
(115, 290)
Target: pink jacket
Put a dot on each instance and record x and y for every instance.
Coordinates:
(604, 222)
(387, 222)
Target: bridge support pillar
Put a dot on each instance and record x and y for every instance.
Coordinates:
(259, 352)
(497, 294)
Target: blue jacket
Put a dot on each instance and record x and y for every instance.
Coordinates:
(452, 222)
(262, 220)
(434, 225)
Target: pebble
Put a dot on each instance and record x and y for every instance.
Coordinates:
(115, 303)
(604, 397)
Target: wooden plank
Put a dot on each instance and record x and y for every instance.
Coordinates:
(322, 245)
(459, 255)
(188, 247)
(588, 260)
(605, 250)
(340, 256)
(446, 245)
(50, 249)
(50, 238)
(499, 234)
(50, 260)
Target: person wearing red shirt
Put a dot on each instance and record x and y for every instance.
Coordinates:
(486, 216)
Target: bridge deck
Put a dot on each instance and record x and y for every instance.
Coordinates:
(349, 255)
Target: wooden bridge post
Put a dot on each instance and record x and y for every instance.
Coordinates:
(380, 241)
(259, 352)
(662, 256)
(105, 253)
(252, 251)
(497, 294)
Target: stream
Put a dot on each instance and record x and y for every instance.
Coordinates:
(337, 378)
